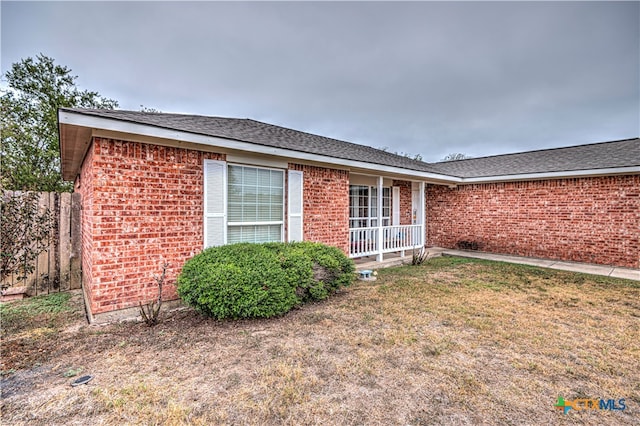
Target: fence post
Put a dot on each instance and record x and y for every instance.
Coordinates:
(75, 261)
(64, 230)
(42, 274)
(54, 249)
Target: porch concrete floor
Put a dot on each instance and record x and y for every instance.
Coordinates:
(394, 259)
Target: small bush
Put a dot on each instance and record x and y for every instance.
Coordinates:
(468, 245)
(420, 257)
(150, 312)
(262, 280)
(25, 230)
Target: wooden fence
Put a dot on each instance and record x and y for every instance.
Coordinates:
(59, 267)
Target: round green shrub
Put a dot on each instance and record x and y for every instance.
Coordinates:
(330, 270)
(262, 280)
(236, 281)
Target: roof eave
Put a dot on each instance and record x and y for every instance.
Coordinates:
(611, 171)
(80, 127)
(76, 130)
(74, 142)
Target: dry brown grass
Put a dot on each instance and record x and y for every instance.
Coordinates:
(451, 342)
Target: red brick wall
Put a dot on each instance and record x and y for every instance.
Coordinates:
(83, 186)
(405, 201)
(326, 205)
(143, 205)
(594, 220)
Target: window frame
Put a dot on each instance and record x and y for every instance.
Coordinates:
(370, 207)
(229, 223)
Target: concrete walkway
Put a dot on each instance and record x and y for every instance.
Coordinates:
(586, 268)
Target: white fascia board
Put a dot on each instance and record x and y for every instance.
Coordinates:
(77, 119)
(554, 175)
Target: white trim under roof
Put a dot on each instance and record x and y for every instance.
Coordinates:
(116, 125)
(632, 170)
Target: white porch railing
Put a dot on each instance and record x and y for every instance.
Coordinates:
(365, 241)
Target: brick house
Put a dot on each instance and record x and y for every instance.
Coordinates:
(162, 187)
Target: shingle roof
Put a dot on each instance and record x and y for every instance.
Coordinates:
(603, 155)
(247, 130)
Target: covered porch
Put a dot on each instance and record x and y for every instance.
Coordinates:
(386, 216)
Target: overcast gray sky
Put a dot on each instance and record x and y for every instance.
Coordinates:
(432, 78)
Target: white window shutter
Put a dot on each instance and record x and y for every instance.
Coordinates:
(215, 203)
(395, 200)
(295, 205)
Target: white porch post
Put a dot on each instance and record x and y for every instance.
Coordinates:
(379, 201)
(395, 201)
(423, 219)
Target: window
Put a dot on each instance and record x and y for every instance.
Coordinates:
(363, 206)
(255, 204)
(358, 206)
(246, 203)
